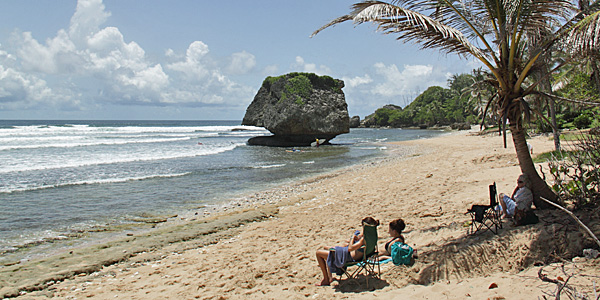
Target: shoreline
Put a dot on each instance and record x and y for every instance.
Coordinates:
(210, 227)
(270, 253)
(84, 236)
(34, 242)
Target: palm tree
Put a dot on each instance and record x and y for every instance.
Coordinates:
(495, 32)
(480, 93)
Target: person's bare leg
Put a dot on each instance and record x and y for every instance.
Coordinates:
(503, 205)
(322, 260)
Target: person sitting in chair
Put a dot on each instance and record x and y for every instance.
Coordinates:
(395, 230)
(355, 252)
(521, 199)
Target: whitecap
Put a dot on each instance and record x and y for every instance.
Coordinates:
(23, 188)
(269, 166)
(22, 164)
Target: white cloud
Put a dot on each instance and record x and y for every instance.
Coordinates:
(301, 66)
(412, 78)
(87, 56)
(270, 70)
(147, 79)
(352, 82)
(192, 66)
(21, 90)
(241, 63)
(388, 84)
(204, 80)
(58, 55)
(88, 16)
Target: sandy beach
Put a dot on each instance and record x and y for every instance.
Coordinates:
(264, 248)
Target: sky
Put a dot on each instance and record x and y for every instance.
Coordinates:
(195, 60)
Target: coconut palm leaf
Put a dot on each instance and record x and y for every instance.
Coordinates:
(585, 9)
(410, 26)
(487, 106)
(587, 102)
(584, 38)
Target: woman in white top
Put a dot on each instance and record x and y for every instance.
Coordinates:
(521, 199)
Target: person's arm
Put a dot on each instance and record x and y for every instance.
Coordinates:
(352, 239)
(357, 245)
(514, 193)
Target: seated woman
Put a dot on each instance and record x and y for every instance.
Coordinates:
(355, 252)
(395, 230)
(521, 199)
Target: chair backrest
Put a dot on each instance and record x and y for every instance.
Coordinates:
(370, 235)
(493, 195)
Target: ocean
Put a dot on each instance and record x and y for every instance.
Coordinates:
(63, 181)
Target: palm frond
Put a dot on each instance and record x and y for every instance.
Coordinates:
(584, 38)
(487, 106)
(585, 10)
(536, 14)
(410, 26)
(588, 102)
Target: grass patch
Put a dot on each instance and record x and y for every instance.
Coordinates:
(574, 135)
(547, 156)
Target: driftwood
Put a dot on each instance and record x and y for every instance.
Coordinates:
(560, 285)
(563, 286)
(590, 233)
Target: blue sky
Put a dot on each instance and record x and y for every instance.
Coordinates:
(194, 60)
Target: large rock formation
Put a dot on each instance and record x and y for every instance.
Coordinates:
(298, 108)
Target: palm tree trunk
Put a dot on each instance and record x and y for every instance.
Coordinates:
(538, 186)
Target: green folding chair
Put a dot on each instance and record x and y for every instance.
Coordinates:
(369, 259)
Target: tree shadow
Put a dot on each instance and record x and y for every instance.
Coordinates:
(513, 249)
(359, 284)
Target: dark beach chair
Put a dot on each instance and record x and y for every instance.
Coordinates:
(369, 259)
(485, 217)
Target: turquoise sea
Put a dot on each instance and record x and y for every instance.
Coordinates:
(64, 179)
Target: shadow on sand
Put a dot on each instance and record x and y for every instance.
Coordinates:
(359, 284)
(513, 249)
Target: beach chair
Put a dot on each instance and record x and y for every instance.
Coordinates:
(369, 259)
(485, 217)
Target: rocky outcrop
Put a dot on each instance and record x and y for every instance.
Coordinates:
(355, 122)
(461, 126)
(298, 108)
(370, 121)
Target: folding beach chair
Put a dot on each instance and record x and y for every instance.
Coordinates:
(369, 259)
(485, 217)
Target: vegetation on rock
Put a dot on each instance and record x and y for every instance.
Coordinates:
(298, 86)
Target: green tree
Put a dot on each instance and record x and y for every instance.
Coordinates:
(495, 32)
(479, 93)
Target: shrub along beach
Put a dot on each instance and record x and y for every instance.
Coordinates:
(265, 250)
